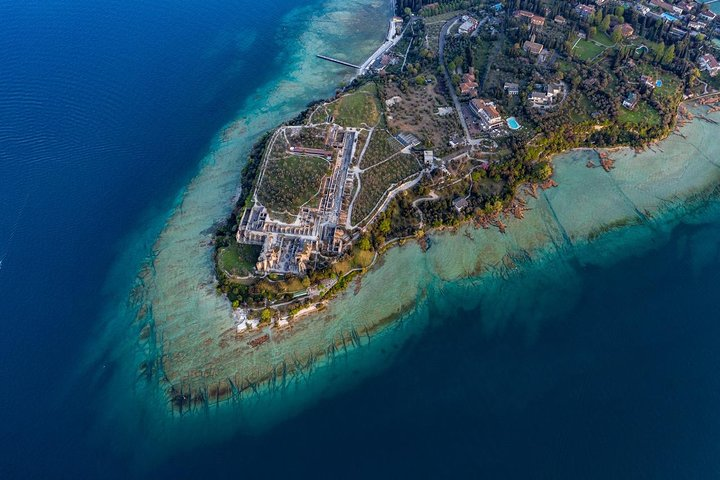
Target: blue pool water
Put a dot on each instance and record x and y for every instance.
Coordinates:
(513, 123)
(659, 83)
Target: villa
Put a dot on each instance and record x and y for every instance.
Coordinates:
(662, 5)
(707, 16)
(709, 63)
(585, 10)
(469, 84)
(468, 26)
(648, 81)
(631, 101)
(511, 88)
(626, 30)
(534, 20)
(486, 112)
(545, 94)
(532, 47)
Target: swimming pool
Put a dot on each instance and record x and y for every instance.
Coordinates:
(658, 83)
(513, 123)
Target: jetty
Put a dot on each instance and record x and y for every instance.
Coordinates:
(341, 62)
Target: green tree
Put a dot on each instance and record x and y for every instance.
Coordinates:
(616, 36)
(266, 316)
(364, 243)
(384, 226)
(669, 55)
(660, 52)
(605, 25)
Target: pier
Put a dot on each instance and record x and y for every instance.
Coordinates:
(341, 62)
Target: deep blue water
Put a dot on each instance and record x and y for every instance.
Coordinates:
(105, 109)
(624, 385)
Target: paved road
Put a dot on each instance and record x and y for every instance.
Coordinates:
(448, 79)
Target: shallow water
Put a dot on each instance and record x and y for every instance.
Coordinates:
(519, 355)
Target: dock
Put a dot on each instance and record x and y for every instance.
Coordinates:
(341, 62)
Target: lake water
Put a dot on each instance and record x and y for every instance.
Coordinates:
(110, 155)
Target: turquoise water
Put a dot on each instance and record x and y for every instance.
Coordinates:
(519, 355)
(513, 123)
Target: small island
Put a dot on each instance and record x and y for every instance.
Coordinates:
(454, 116)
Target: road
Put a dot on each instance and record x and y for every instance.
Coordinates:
(456, 101)
(387, 45)
(448, 79)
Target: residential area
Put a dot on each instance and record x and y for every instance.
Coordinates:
(462, 107)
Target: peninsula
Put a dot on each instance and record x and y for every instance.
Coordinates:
(455, 113)
(455, 120)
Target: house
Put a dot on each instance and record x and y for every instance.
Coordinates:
(600, 3)
(560, 20)
(699, 26)
(468, 26)
(469, 85)
(531, 18)
(707, 16)
(486, 112)
(631, 101)
(585, 10)
(678, 32)
(511, 88)
(554, 89)
(545, 94)
(460, 203)
(686, 7)
(537, 21)
(648, 81)
(540, 98)
(626, 30)
(532, 47)
(642, 9)
(709, 63)
(662, 5)
(468, 88)
(428, 157)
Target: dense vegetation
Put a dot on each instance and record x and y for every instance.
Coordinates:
(375, 182)
(597, 73)
(291, 181)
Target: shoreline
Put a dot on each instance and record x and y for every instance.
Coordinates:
(506, 266)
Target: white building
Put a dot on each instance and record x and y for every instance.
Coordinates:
(709, 63)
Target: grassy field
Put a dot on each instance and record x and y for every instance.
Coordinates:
(382, 145)
(586, 50)
(356, 259)
(238, 260)
(603, 38)
(671, 83)
(583, 113)
(361, 107)
(290, 181)
(376, 180)
(642, 113)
